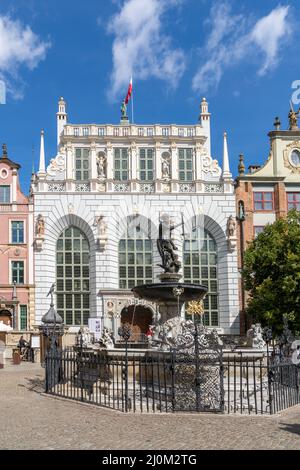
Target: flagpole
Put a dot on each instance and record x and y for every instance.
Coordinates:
(132, 115)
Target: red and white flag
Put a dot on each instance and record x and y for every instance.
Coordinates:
(129, 92)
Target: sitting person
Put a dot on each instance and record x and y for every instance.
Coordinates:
(22, 345)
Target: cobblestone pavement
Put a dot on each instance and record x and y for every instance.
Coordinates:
(30, 420)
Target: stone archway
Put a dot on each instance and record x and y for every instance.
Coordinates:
(139, 318)
(6, 317)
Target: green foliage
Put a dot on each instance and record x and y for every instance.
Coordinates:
(272, 273)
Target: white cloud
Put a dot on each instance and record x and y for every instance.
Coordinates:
(234, 38)
(19, 46)
(268, 34)
(140, 46)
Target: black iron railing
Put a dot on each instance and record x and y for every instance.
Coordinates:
(169, 382)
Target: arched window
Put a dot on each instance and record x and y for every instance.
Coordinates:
(73, 277)
(200, 261)
(135, 255)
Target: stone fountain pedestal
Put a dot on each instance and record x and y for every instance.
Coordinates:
(169, 295)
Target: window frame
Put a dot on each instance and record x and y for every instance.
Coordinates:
(185, 171)
(20, 317)
(11, 232)
(146, 159)
(255, 227)
(24, 271)
(132, 251)
(118, 172)
(65, 274)
(7, 186)
(294, 202)
(202, 240)
(82, 170)
(263, 201)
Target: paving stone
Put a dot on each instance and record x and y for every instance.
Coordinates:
(30, 420)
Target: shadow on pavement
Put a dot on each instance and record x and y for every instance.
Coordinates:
(293, 428)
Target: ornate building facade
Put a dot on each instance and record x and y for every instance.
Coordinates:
(269, 191)
(97, 209)
(16, 249)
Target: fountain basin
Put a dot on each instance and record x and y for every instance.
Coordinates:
(163, 292)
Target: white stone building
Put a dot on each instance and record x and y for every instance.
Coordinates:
(97, 210)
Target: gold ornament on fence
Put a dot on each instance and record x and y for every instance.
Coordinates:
(195, 307)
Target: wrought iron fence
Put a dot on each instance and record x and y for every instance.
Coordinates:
(171, 381)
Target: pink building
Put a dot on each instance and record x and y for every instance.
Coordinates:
(16, 249)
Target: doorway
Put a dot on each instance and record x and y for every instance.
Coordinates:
(139, 318)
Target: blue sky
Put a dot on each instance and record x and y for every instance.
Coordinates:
(243, 56)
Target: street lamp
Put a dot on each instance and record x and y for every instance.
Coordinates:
(124, 332)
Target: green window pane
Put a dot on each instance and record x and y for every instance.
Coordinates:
(72, 276)
(76, 258)
(135, 259)
(68, 271)
(85, 271)
(59, 271)
(60, 244)
(68, 258)
(200, 265)
(77, 285)
(23, 317)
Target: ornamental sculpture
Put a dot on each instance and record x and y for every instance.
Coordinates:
(101, 225)
(166, 164)
(231, 227)
(123, 110)
(40, 226)
(166, 247)
(101, 165)
(293, 119)
(39, 232)
(255, 337)
(231, 233)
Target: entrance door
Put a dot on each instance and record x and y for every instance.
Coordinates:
(139, 318)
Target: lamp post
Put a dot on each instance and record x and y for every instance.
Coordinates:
(52, 328)
(124, 332)
(241, 217)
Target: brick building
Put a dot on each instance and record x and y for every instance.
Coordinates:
(16, 249)
(269, 191)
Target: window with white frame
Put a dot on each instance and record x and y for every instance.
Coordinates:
(76, 131)
(101, 131)
(140, 131)
(185, 160)
(85, 131)
(17, 272)
(135, 258)
(17, 231)
(4, 194)
(200, 260)
(121, 164)
(165, 131)
(150, 131)
(82, 164)
(146, 164)
(73, 277)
